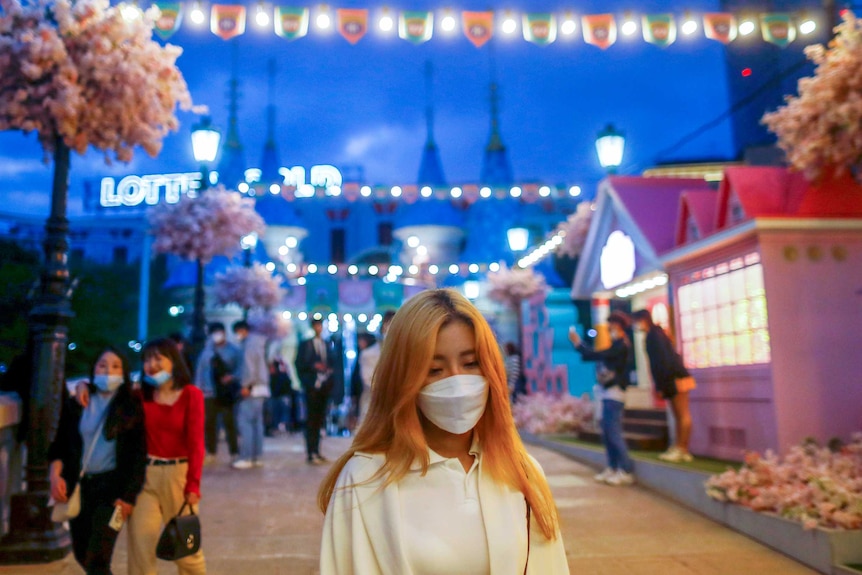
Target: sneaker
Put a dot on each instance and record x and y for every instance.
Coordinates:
(257, 463)
(604, 475)
(676, 455)
(620, 478)
(209, 459)
(242, 464)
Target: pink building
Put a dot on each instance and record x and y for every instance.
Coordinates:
(766, 282)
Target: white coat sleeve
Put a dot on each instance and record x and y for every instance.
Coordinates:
(346, 547)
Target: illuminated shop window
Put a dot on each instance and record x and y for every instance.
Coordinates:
(722, 314)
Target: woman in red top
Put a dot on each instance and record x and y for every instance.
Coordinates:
(174, 424)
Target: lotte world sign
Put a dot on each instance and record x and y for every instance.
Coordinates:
(133, 191)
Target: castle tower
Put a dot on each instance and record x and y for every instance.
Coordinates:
(232, 166)
(430, 168)
(496, 170)
(269, 161)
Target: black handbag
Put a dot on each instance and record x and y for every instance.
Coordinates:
(181, 536)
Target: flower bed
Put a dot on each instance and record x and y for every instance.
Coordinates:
(552, 413)
(816, 486)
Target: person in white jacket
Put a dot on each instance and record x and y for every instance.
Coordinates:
(437, 479)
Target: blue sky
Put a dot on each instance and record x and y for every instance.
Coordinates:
(363, 105)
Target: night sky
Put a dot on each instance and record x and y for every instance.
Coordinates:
(364, 105)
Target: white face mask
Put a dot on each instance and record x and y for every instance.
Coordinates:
(218, 337)
(107, 382)
(455, 404)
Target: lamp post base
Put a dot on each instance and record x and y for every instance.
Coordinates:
(33, 538)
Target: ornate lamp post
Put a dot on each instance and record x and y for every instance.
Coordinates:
(205, 141)
(610, 145)
(518, 239)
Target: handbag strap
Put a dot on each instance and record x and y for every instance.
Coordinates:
(528, 536)
(89, 454)
(191, 509)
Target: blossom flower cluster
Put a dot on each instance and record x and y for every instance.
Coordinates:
(814, 485)
(576, 227)
(248, 287)
(268, 323)
(77, 71)
(511, 285)
(821, 129)
(207, 225)
(552, 413)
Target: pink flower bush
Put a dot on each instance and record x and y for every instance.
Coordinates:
(812, 485)
(207, 225)
(80, 72)
(248, 287)
(268, 323)
(552, 413)
(821, 129)
(576, 227)
(511, 285)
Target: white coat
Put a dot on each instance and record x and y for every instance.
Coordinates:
(362, 528)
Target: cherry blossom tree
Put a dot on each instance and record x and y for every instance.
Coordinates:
(576, 226)
(199, 228)
(78, 74)
(821, 128)
(510, 286)
(248, 287)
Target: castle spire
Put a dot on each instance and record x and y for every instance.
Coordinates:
(232, 165)
(430, 168)
(269, 161)
(496, 169)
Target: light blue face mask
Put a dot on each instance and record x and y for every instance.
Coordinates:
(107, 382)
(158, 379)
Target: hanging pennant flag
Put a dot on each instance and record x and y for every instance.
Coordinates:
(599, 30)
(540, 29)
(659, 29)
(170, 18)
(778, 29)
(720, 26)
(416, 27)
(478, 27)
(291, 23)
(227, 20)
(352, 23)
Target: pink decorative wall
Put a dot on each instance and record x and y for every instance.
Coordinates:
(537, 353)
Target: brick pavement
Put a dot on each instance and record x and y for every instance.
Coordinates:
(265, 522)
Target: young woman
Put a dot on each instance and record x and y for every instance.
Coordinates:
(613, 362)
(437, 479)
(174, 416)
(107, 438)
(672, 380)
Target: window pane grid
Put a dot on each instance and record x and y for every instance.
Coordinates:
(723, 318)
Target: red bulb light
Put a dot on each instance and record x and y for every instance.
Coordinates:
(746, 72)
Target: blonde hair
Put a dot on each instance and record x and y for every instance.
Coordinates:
(392, 425)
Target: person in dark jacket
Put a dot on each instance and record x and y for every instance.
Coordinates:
(668, 374)
(315, 364)
(612, 374)
(109, 434)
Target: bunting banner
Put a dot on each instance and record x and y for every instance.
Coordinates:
(540, 29)
(659, 29)
(291, 23)
(352, 23)
(778, 29)
(720, 26)
(478, 27)
(416, 27)
(227, 20)
(169, 20)
(599, 30)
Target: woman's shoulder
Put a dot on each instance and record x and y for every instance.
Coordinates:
(361, 467)
(193, 393)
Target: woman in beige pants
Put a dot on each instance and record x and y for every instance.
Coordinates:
(174, 422)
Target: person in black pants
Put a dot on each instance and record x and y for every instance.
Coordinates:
(107, 440)
(314, 364)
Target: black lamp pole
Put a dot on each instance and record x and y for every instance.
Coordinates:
(33, 537)
(198, 320)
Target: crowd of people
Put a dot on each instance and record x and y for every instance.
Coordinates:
(430, 413)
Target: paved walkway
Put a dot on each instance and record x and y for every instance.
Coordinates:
(265, 522)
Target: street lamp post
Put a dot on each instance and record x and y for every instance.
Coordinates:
(610, 145)
(205, 141)
(519, 240)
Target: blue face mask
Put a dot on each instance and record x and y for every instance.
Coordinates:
(158, 379)
(107, 382)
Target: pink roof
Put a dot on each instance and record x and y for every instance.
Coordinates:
(700, 205)
(653, 204)
(762, 191)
